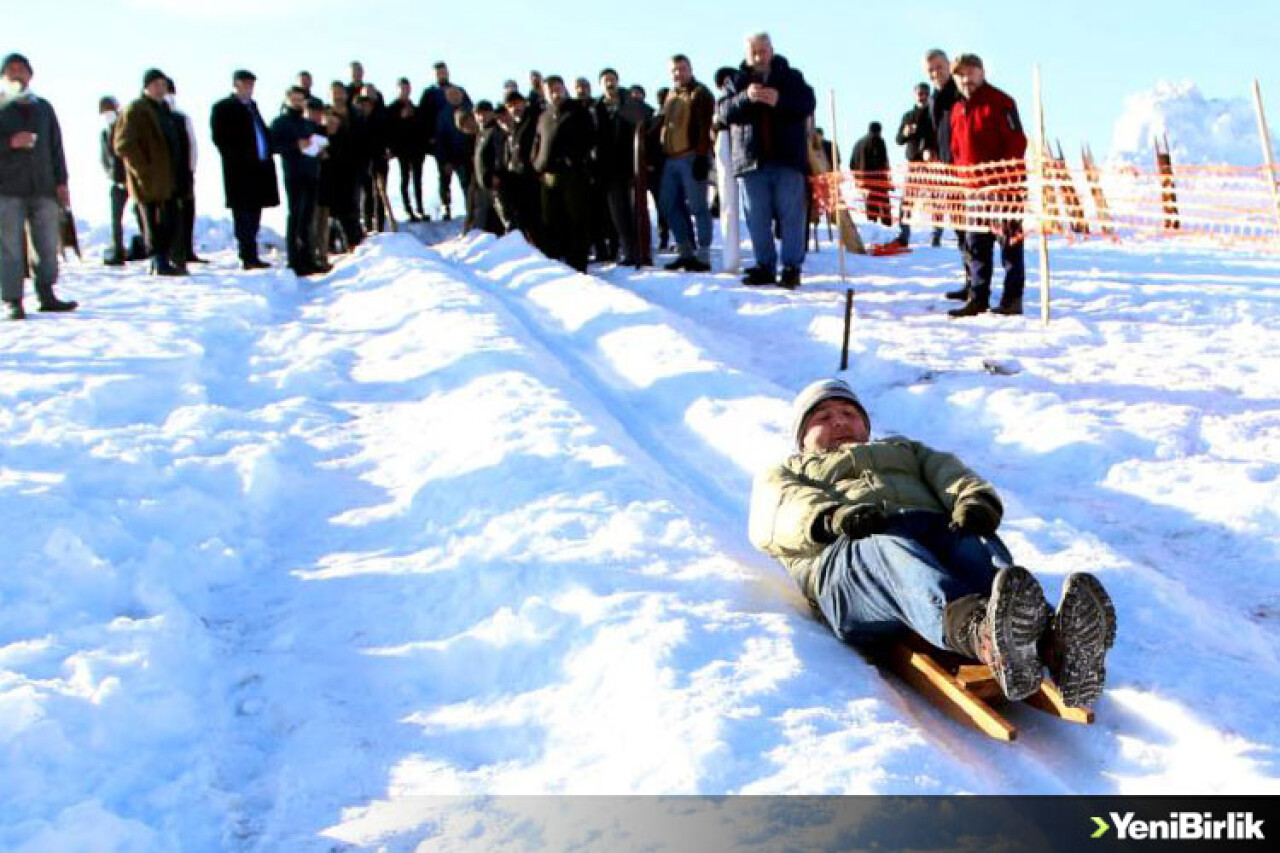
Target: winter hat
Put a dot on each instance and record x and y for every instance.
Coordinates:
(808, 399)
(16, 57)
(152, 76)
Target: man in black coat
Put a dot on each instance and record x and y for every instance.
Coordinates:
(521, 197)
(407, 139)
(561, 154)
(292, 137)
(870, 161)
(767, 109)
(617, 115)
(915, 131)
(248, 171)
(113, 168)
(945, 95)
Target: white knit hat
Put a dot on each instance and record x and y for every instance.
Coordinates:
(808, 399)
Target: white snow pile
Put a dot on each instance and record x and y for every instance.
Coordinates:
(1200, 130)
(283, 561)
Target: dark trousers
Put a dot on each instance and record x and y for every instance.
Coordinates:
(411, 173)
(247, 222)
(183, 250)
(979, 250)
(119, 197)
(621, 204)
(566, 214)
(522, 203)
(302, 195)
(160, 223)
(375, 214)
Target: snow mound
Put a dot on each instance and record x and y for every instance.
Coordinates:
(1200, 129)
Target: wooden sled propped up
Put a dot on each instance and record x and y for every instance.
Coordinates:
(965, 691)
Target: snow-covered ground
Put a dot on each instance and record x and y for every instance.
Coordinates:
(282, 558)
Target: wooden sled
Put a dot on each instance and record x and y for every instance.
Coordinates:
(966, 691)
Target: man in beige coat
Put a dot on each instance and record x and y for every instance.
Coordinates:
(889, 535)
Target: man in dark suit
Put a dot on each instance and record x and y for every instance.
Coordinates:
(248, 170)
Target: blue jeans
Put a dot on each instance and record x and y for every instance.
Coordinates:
(776, 193)
(43, 216)
(905, 576)
(679, 185)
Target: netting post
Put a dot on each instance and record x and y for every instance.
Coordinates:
(1042, 143)
(1265, 133)
(835, 182)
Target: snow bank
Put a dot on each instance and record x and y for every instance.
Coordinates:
(1200, 129)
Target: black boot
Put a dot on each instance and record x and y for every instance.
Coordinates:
(759, 276)
(1009, 306)
(14, 309)
(51, 303)
(790, 278)
(977, 304)
(1003, 634)
(1083, 628)
(962, 294)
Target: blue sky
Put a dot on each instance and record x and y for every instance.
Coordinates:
(1092, 55)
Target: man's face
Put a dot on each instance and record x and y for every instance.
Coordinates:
(304, 80)
(19, 73)
(556, 93)
(483, 117)
(637, 94)
(922, 97)
(681, 73)
(832, 424)
(939, 70)
(610, 84)
(535, 81)
(403, 88)
(442, 75)
(297, 101)
(243, 88)
(357, 72)
(581, 89)
(759, 53)
(969, 79)
(156, 90)
(517, 108)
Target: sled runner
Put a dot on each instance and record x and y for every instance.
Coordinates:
(966, 691)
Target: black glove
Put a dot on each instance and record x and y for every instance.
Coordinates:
(858, 522)
(979, 515)
(701, 167)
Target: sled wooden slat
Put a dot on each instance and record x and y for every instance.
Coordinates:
(931, 679)
(967, 692)
(1049, 700)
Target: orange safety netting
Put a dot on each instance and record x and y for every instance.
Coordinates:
(1226, 204)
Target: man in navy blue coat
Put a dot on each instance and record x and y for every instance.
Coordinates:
(767, 107)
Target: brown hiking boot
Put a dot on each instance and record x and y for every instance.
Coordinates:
(1005, 632)
(1082, 630)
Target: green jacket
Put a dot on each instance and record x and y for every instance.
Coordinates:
(790, 501)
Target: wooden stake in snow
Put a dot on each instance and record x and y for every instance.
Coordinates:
(835, 182)
(1265, 133)
(1042, 150)
(730, 240)
(848, 324)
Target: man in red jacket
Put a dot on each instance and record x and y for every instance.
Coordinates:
(985, 129)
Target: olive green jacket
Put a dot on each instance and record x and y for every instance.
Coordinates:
(789, 502)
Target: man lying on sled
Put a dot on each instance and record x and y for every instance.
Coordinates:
(886, 534)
